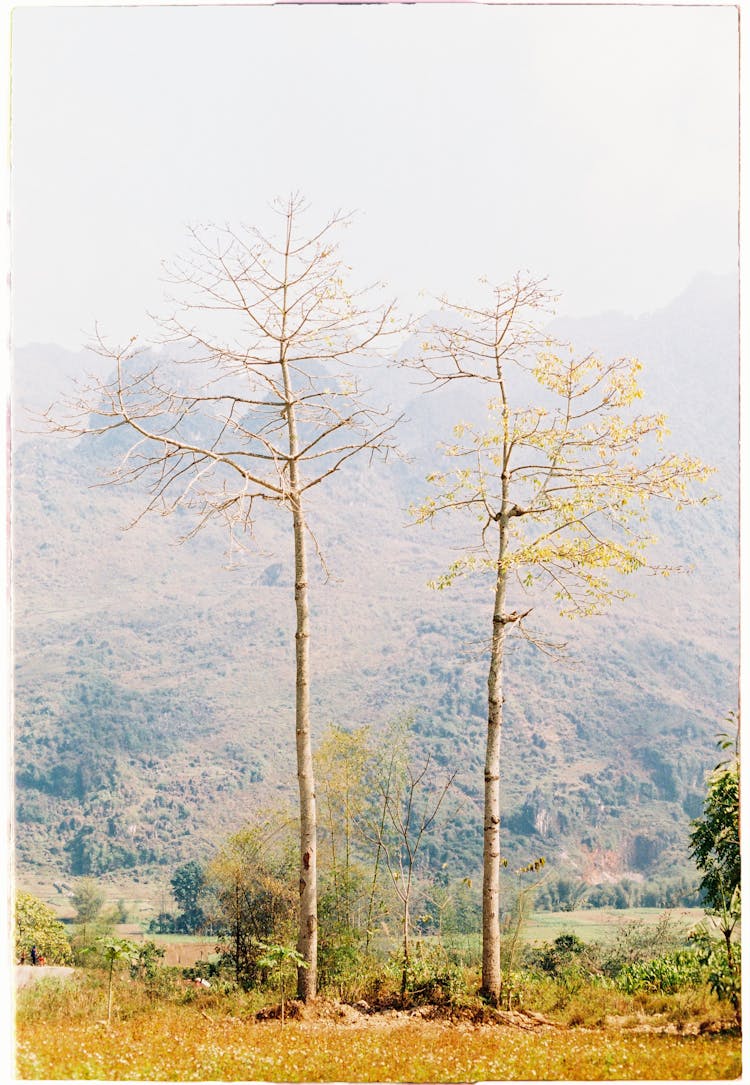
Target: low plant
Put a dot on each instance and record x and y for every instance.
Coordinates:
(432, 976)
(668, 973)
(279, 960)
(723, 969)
(116, 951)
(146, 959)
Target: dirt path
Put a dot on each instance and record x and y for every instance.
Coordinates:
(26, 974)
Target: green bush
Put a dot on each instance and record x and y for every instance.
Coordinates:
(432, 976)
(567, 956)
(723, 974)
(638, 942)
(342, 965)
(37, 926)
(666, 974)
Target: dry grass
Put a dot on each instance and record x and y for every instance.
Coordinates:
(65, 1037)
(181, 1045)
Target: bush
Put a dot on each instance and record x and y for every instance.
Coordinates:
(568, 954)
(638, 942)
(432, 976)
(36, 925)
(667, 974)
(342, 966)
(723, 974)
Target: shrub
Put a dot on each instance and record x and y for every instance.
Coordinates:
(724, 975)
(568, 954)
(667, 974)
(638, 941)
(36, 925)
(342, 967)
(432, 976)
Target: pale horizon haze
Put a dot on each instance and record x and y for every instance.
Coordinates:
(597, 146)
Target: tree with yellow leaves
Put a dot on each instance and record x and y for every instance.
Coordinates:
(556, 489)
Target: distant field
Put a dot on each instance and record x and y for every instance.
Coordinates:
(184, 952)
(589, 924)
(602, 924)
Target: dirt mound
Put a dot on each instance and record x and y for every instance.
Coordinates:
(323, 1009)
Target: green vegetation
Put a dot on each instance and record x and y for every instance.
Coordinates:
(715, 842)
(115, 951)
(655, 996)
(37, 928)
(187, 883)
(715, 839)
(278, 960)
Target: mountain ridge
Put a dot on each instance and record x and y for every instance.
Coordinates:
(605, 754)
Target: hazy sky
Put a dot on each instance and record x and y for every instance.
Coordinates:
(595, 145)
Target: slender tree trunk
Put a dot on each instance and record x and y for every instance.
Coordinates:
(334, 867)
(347, 858)
(109, 993)
(491, 977)
(405, 962)
(307, 944)
(381, 830)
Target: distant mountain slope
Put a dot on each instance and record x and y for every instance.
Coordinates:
(154, 686)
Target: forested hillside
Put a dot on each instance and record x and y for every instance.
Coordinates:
(154, 681)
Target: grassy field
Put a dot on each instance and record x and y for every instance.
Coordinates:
(602, 924)
(171, 1044)
(571, 1028)
(167, 1029)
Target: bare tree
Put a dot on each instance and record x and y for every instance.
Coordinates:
(556, 490)
(410, 804)
(259, 403)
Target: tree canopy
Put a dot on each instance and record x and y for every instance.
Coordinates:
(715, 838)
(187, 883)
(37, 925)
(553, 488)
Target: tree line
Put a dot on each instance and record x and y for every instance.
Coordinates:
(244, 898)
(256, 401)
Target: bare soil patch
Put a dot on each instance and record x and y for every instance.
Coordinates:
(26, 974)
(360, 1013)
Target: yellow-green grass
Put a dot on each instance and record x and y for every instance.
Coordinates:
(181, 1044)
(603, 924)
(590, 924)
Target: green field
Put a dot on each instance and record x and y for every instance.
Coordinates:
(603, 924)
